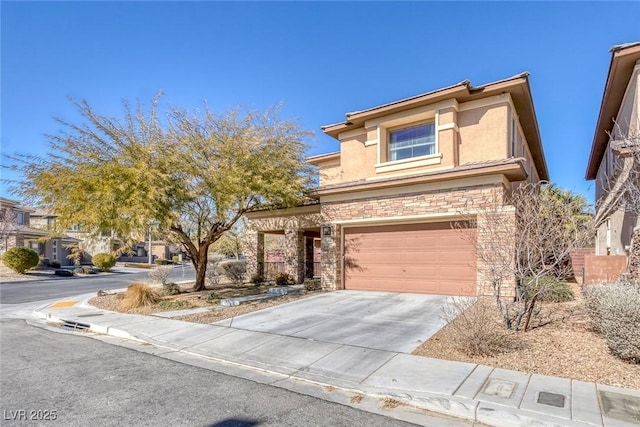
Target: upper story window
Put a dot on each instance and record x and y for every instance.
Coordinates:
(20, 218)
(412, 142)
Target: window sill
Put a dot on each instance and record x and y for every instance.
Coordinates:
(414, 162)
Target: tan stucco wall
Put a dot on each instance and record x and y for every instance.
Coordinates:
(356, 159)
(484, 133)
(621, 228)
(470, 135)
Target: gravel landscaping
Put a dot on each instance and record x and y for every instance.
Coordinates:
(201, 299)
(566, 347)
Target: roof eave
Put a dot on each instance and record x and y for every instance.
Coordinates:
(513, 172)
(604, 125)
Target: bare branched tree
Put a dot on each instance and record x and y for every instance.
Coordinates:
(521, 243)
(622, 187)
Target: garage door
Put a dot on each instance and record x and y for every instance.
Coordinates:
(424, 258)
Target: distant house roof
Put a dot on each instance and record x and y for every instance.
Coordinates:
(8, 202)
(517, 86)
(623, 59)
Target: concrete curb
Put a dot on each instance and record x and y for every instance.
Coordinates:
(464, 402)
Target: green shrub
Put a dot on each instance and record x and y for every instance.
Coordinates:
(548, 288)
(54, 264)
(20, 259)
(312, 284)
(104, 262)
(161, 261)
(139, 295)
(175, 259)
(234, 270)
(284, 279)
(615, 313)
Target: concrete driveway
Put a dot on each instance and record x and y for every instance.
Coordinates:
(377, 320)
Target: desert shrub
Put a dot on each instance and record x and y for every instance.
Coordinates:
(170, 288)
(161, 274)
(54, 264)
(615, 313)
(284, 279)
(104, 262)
(139, 295)
(137, 265)
(20, 259)
(85, 270)
(475, 327)
(214, 298)
(312, 284)
(213, 273)
(257, 279)
(548, 288)
(169, 305)
(593, 294)
(234, 270)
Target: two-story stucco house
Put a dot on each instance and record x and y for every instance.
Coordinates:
(386, 202)
(30, 227)
(619, 118)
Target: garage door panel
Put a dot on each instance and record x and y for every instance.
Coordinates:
(424, 258)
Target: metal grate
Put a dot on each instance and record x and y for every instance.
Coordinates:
(75, 326)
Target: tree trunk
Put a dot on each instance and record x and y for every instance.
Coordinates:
(530, 312)
(201, 269)
(634, 255)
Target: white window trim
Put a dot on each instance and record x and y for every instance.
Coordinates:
(412, 162)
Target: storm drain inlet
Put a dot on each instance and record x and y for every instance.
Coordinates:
(74, 326)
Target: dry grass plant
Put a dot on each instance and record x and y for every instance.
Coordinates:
(139, 295)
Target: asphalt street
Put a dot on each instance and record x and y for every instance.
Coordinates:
(49, 378)
(59, 287)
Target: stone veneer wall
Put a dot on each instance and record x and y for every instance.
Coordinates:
(451, 201)
(293, 227)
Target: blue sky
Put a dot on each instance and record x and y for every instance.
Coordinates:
(320, 59)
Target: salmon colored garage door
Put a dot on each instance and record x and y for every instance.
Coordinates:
(423, 258)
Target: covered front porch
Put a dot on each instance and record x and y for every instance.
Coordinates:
(302, 253)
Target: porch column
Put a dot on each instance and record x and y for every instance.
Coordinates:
(329, 264)
(255, 253)
(294, 253)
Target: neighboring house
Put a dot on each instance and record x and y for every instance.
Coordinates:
(28, 227)
(619, 116)
(386, 202)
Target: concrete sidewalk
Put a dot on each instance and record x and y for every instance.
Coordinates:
(474, 393)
